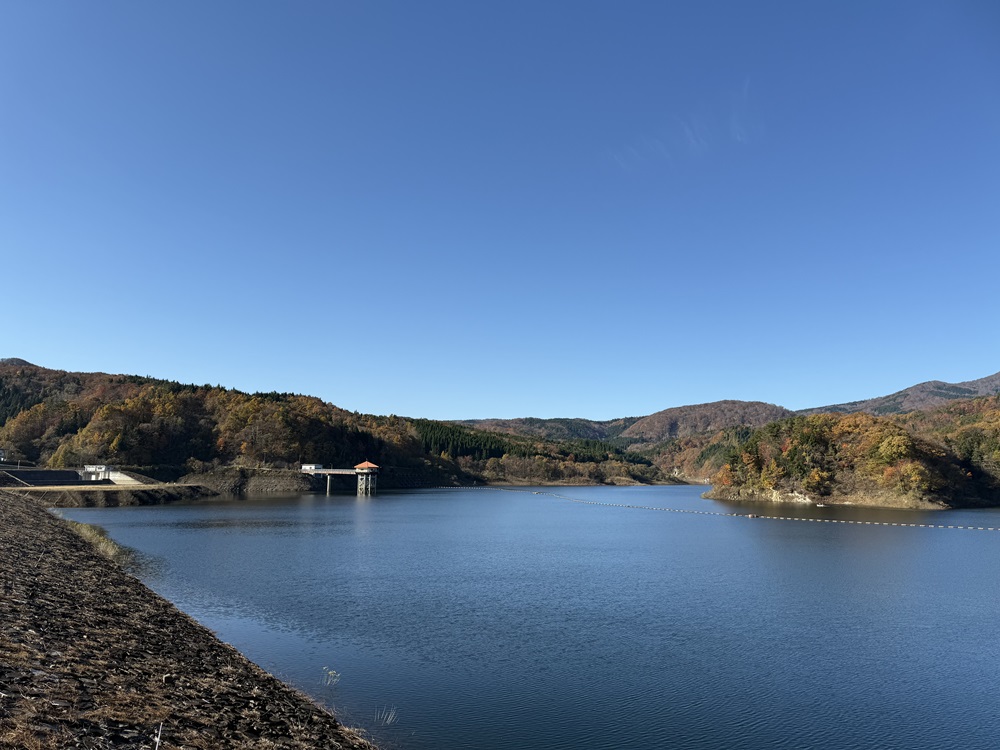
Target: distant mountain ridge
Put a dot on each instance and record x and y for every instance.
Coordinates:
(557, 428)
(685, 421)
(668, 424)
(918, 397)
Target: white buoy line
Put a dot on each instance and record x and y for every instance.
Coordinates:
(754, 516)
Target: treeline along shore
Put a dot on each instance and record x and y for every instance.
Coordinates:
(91, 658)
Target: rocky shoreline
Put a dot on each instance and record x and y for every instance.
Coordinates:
(236, 480)
(110, 496)
(871, 499)
(90, 658)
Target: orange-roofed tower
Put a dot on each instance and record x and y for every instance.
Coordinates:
(367, 477)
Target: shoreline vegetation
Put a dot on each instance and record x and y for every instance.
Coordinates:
(236, 482)
(767, 480)
(90, 657)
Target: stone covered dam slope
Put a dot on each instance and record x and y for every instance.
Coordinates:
(91, 658)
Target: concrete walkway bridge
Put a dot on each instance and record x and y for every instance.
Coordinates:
(366, 472)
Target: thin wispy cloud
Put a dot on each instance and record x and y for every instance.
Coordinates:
(692, 135)
(696, 134)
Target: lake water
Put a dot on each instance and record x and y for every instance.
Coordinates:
(482, 619)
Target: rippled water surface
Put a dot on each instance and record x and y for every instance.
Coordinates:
(501, 619)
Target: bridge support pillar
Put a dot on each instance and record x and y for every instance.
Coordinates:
(366, 483)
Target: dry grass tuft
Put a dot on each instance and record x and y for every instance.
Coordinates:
(100, 540)
(25, 730)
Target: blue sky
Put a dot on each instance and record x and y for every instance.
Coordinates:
(483, 209)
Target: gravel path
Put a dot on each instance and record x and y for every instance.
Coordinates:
(91, 658)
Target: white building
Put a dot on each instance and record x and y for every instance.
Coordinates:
(94, 472)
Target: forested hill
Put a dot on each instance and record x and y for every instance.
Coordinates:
(167, 429)
(917, 397)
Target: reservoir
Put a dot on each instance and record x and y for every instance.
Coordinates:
(488, 619)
